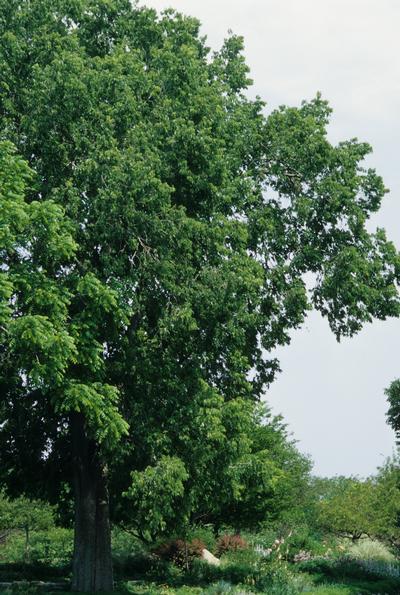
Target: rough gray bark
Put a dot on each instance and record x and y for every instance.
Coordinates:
(92, 563)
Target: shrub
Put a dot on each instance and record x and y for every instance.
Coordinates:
(304, 543)
(51, 548)
(242, 566)
(180, 552)
(203, 573)
(276, 579)
(125, 545)
(336, 568)
(231, 543)
(204, 534)
(368, 549)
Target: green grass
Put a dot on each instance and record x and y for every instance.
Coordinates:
(346, 576)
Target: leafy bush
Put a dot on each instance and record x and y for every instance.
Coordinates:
(204, 534)
(203, 573)
(276, 579)
(362, 576)
(257, 574)
(230, 543)
(265, 538)
(303, 541)
(241, 567)
(52, 548)
(145, 566)
(125, 545)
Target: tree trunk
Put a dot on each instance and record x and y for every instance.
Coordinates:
(92, 564)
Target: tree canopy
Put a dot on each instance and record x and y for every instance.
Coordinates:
(159, 251)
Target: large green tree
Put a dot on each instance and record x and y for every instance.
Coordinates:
(175, 224)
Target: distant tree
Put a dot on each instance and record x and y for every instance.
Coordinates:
(386, 517)
(353, 508)
(324, 488)
(160, 253)
(346, 509)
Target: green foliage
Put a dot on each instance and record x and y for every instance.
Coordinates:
(393, 414)
(352, 508)
(249, 471)
(303, 540)
(155, 494)
(349, 511)
(53, 547)
(241, 567)
(50, 548)
(23, 513)
(125, 544)
(37, 252)
(203, 533)
(277, 579)
(369, 549)
(27, 516)
(386, 526)
(156, 231)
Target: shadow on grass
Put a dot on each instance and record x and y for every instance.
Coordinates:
(351, 576)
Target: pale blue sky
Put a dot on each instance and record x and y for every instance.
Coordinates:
(330, 394)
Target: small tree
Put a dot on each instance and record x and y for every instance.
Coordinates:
(26, 515)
